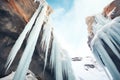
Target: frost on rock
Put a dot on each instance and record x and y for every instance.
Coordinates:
(106, 47)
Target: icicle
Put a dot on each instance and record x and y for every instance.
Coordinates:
(108, 41)
(29, 49)
(67, 66)
(20, 39)
(47, 29)
(106, 59)
(55, 61)
(61, 62)
(100, 21)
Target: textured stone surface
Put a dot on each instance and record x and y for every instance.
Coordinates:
(89, 21)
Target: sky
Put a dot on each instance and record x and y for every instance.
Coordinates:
(68, 19)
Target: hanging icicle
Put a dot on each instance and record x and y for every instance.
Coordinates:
(59, 59)
(29, 49)
(106, 47)
(21, 38)
(99, 22)
(47, 29)
(61, 62)
(35, 22)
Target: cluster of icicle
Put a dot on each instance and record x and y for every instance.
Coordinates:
(106, 44)
(59, 60)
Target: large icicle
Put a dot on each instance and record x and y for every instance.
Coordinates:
(28, 52)
(67, 66)
(106, 47)
(21, 38)
(55, 60)
(29, 49)
(47, 29)
(61, 62)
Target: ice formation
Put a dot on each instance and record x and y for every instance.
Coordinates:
(59, 59)
(106, 46)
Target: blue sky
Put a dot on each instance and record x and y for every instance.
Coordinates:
(68, 19)
(66, 4)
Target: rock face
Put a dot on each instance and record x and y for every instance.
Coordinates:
(14, 14)
(104, 37)
(112, 10)
(89, 21)
(23, 9)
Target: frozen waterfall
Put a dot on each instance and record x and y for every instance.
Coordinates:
(59, 58)
(106, 46)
